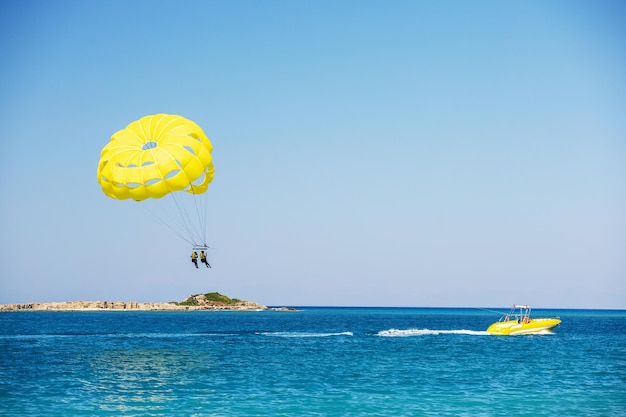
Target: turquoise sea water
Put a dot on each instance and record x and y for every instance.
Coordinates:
(317, 361)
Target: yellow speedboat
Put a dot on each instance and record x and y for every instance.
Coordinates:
(518, 321)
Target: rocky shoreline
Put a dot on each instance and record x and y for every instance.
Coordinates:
(191, 303)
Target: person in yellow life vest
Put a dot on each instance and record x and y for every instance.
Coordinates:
(194, 258)
(203, 259)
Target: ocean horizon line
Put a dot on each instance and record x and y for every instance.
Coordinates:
(503, 309)
(494, 310)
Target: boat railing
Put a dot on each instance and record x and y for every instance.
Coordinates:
(519, 313)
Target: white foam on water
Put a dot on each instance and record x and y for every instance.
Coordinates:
(428, 332)
(304, 334)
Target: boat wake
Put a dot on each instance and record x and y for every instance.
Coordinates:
(303, 334)
(428, 332)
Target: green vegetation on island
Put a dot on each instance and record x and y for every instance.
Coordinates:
(211, 297)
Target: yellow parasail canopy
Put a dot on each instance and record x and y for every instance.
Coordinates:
(154, 156)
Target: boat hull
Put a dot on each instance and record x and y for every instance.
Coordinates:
(514, 327)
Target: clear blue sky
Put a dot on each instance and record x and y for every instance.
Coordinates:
(388, 153)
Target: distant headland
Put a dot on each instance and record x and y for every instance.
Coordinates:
(212, 301)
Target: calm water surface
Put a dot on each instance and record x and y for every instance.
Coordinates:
(318, 361)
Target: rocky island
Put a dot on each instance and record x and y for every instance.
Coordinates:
(209, 301)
